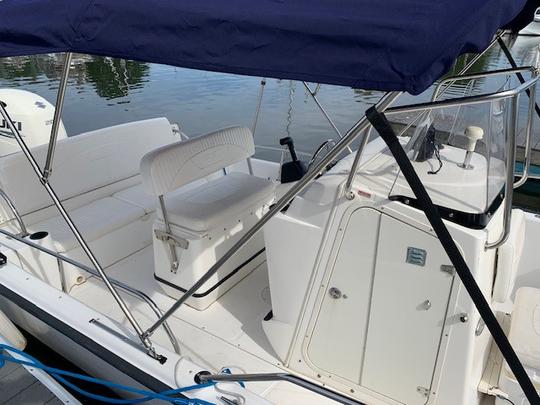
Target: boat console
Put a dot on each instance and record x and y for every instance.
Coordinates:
(372, 281)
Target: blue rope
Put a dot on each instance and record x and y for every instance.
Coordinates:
(228, 371)
(147, 395)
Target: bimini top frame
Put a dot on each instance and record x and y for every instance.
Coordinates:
(82, 242)
(359, 127)
(363, 125)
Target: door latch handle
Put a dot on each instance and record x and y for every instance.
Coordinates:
(426, 305)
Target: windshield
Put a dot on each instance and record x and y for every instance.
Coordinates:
(459, 152)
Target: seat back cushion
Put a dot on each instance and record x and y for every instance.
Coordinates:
(508, 257)
(173, 166)
(82, 163)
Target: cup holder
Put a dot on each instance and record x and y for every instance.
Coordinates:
(39, 235)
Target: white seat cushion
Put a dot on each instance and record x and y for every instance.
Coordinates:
(218, 201)
(525, 327)
(93, 221)
(137, 196)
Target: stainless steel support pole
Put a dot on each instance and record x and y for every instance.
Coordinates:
(509, 186)
(146, 342)
(350, 136)
(530, 128)
(62, 274)
(528, 136)
(47, 170)
(136, 293)
(359, 152)
(172, 247)
(18, 218)
(332, 124)
(256, 121)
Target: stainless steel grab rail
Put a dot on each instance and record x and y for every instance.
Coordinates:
(321, 390)
(509, 185)
(528, 143)
(470, 100)
(18, 218)
(348, 184)
(480, 75)
(529, 130)
(511, 134)
(133, 291)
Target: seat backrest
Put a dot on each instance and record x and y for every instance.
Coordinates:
(508, 257)
(82, 163)
(173, 166)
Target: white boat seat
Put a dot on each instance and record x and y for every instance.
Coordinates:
(508, 258)
(94, 220)
(172, 166)
(219, 201)
(136, 196)
(206, 212)
(175, 171)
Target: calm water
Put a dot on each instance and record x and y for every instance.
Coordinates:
(106, 91)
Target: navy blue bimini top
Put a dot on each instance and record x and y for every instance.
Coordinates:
(370, 44)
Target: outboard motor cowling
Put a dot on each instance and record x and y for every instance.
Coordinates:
(33, 117)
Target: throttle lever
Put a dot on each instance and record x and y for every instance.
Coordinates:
(291, 171)
(290, 144)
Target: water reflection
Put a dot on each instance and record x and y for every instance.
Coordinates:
(106, 91)
(31, 69)
(113, 78)
(110, 77)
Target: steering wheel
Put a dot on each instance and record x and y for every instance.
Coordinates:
(318, 152)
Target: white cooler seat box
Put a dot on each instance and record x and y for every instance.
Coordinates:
(207, 213)
(525, 339)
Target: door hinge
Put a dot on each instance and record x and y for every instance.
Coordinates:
(171, 239)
